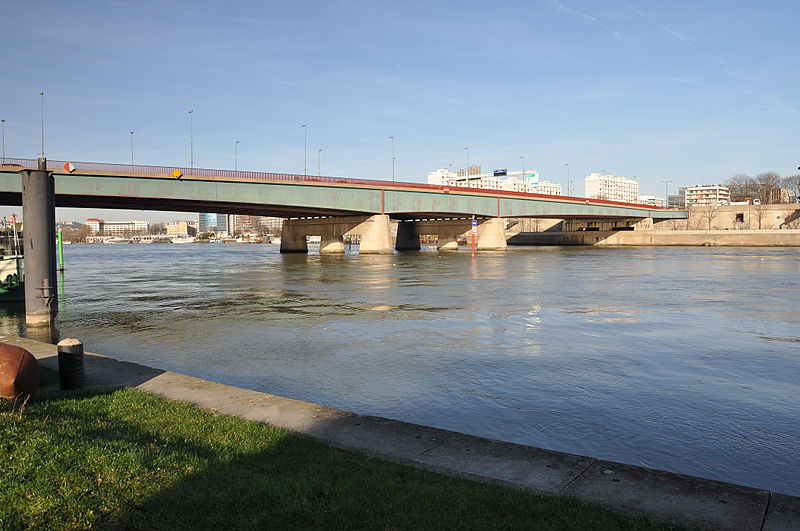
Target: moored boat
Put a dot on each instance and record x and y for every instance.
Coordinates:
(12, 278)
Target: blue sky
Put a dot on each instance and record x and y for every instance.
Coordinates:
(691, 92)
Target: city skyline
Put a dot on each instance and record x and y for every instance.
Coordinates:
(681, 92)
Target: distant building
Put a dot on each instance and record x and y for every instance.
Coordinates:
(650, 200)
(611, 187)
(209, 222)
(677, 200)
(116, 227)
(180, 228)
(501, 179)
(95, 225)
(707, 194)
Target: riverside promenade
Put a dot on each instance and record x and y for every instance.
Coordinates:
(624, 488)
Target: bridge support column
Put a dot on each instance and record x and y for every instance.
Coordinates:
(407, 236)
(492, 235)
(376, 235)
(331, 241)
(293, 237)
(39, 211)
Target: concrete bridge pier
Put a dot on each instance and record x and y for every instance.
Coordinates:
(491, 235)
(374, 231)
(293, 240)
(39, 211)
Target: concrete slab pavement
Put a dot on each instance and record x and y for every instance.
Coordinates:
(628, 489)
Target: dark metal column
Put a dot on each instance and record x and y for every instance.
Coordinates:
(38, 207)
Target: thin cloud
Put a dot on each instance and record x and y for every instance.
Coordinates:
(655, 21)
(591, 18)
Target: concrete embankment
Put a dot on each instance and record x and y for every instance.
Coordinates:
(629, 489)
(733, 238)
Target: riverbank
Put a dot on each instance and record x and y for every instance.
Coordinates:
(624, 488)
(722, 238)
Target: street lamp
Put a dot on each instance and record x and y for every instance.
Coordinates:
(319, 162)
(305, 149)
(131, 148)
(392, 138)
(3, 125)
(467, 175)
(191, 143)
(569, 183)
(236, 155)
(41, 95)
(666, 192)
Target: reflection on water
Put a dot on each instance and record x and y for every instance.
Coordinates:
(683, 359)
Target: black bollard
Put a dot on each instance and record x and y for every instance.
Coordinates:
(70, 364)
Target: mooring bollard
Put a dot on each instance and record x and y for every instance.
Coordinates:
(70, 363)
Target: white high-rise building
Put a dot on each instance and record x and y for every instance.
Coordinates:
(611, 187)
(512, 181)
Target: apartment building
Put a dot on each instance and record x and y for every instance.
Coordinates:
(611, 187)
(708, 194)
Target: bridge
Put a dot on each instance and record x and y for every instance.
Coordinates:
(97, 185)
(330, 207)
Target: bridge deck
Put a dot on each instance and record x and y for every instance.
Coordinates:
(119, 186)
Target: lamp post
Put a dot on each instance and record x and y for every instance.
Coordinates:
(524, 184)
(3, 125)
(569, 183)
(392, 139)
(236, 155)
(191, 143)
(467, 175)
(305, 149)
(41, 96)
(131, 148)
(319, 162)
(666, 192)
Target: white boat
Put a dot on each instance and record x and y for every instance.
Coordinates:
(276, 240)
(313, 239)
(183, 239)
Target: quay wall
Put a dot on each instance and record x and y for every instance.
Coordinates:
(732, 238)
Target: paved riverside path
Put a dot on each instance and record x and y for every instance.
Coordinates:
(624, 488)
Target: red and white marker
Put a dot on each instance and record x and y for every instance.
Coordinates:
(70, 167)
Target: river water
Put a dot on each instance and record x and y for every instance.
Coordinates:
(682, 359)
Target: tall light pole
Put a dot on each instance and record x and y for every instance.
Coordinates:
(569, 187)
(666, 192)
(3, 125)
(236, 155)
(524, 184)
(305, 149)
(392, 139)
(41, 96)
(319, 162)
(467, 165)
(131, 148)
(191, 142)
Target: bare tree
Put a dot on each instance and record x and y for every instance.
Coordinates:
(759, 212)
(766, 183)
(708, 214)
(792, 183)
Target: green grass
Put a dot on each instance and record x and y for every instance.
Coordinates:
(129, 459)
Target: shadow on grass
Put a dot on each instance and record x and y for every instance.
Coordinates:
(128, 459)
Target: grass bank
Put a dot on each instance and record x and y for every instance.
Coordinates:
(129, 459)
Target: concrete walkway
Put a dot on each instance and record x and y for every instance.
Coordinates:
(627, 489)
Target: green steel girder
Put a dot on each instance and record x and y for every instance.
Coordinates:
(286, 199)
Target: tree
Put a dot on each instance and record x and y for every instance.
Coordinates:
(708, 214)
(759, 212)
(156, 228)
(766, 183)
(792, 183)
